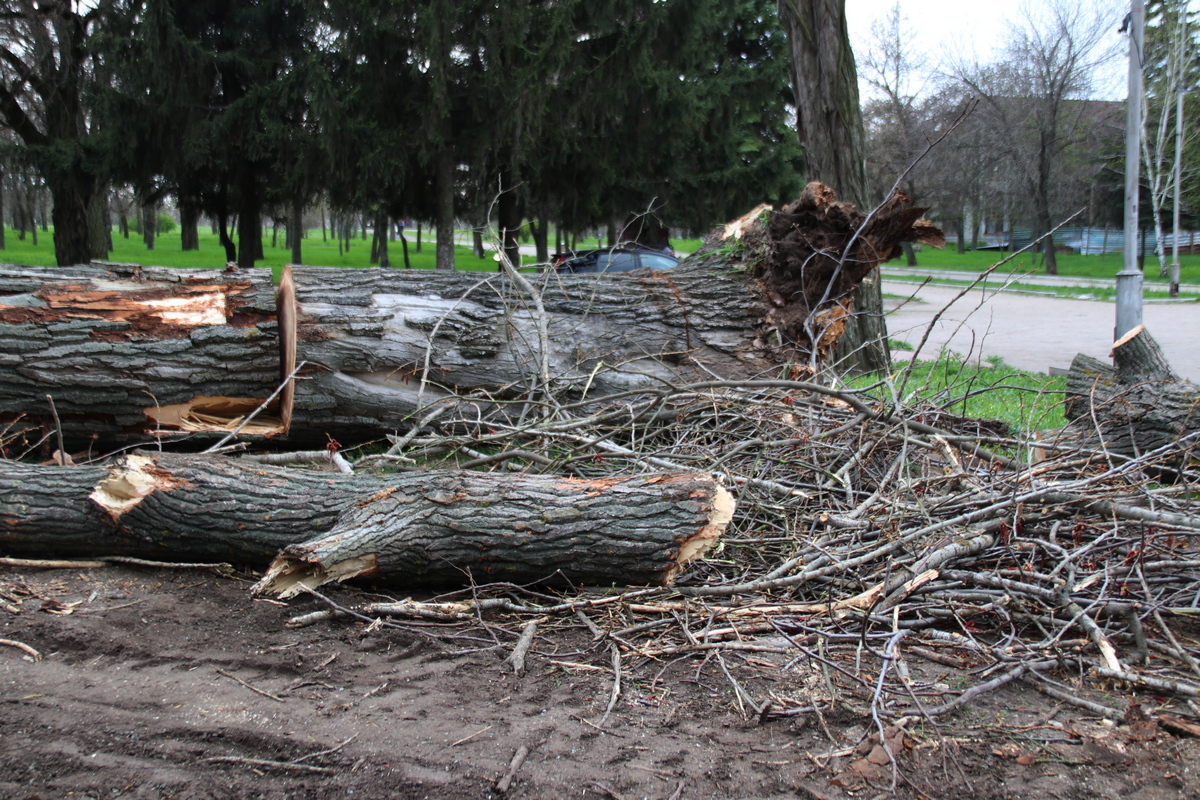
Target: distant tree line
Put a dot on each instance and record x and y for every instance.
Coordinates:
(1036, 146)
(563, 113)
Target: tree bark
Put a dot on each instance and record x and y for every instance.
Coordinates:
(135, 352)
(445, 210)
(189, 225)
(248, 224)
(101, 242)
(421, 529)
(829, 123)
(1137, 405)
(296, 230)
(117, 345)
(72, 241)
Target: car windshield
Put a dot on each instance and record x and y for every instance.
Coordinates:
(654, 261)
(616, 262)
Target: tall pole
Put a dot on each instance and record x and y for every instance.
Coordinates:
(1129, 279)
(1178, 156)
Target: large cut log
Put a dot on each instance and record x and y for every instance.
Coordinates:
(433, 528)
(1134, 406)
(115, 344)
(372, 347)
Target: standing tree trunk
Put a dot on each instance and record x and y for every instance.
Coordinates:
(829, 122)
(382, 225)
(72, 242)
(510, 218)
(149, 223)
(296, 230)
(97, 230)
(445, 210)
(1, 210)
(189, 225)
(247, 226)
(31, 217)
(541, 236)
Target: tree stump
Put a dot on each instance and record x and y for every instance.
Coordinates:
(1137, 405)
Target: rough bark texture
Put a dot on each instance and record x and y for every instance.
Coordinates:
(128, 352)
(114, 344)
(439, 529)
(432, 528)
(830, 125)
(1136, 406)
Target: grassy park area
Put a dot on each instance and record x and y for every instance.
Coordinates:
(168, 253)
(1069, 264)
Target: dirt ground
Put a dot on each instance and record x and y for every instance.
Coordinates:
(163, 684)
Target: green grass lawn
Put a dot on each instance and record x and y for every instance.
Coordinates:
(1070, 264)
(168, 253)
(1025, 400)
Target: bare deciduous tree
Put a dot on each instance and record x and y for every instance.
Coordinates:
(1031, 98)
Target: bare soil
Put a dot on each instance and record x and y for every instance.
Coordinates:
(147, 689)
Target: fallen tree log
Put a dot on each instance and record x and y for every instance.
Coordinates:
(1136, 405)
(372, 347)
(111, 343)
(424, 529)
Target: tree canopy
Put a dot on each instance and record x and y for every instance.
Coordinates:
(563, 111)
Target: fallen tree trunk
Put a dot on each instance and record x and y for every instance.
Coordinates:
(113, 343)
(372, 347)
(433, 528)
(1137, 405)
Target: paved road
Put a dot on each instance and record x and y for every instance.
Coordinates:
(1034, 332)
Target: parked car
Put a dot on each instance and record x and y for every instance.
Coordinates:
(613, 259)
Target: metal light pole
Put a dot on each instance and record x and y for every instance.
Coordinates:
(1129, 279)
(1174, 290)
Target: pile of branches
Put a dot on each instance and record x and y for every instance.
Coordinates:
(869, 536)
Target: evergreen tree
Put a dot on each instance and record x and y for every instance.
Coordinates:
(214, 95)
(46, 66)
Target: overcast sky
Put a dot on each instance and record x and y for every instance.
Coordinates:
(970, 29)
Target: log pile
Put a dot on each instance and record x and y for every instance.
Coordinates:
(869, 536)
(133, 354)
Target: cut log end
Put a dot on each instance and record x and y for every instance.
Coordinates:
(285, 312)
(694, 548)
(1133, 334)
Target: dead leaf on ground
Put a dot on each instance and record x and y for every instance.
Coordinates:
(1142, 728)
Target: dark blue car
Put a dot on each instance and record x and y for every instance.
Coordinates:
(614, 259)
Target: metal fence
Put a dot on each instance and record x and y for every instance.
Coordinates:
(1092, 241)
